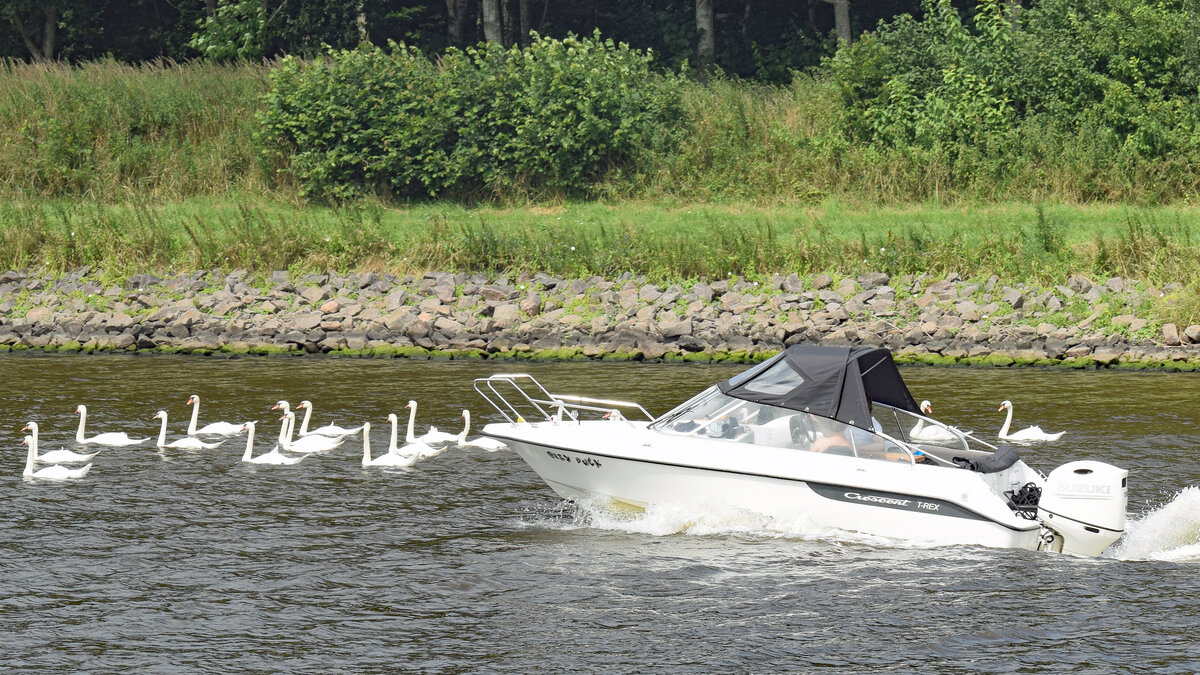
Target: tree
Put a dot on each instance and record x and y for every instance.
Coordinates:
(37, 23)
(456, 21)
(492, 26)
(841, 20)
(706, 43)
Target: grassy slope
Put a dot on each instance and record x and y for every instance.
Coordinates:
(660, 239)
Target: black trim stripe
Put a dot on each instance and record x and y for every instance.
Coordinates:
(1076, 520)
(819, 488)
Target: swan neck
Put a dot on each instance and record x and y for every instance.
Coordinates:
(462, 438)
(249, 444)
(366, 447)
(1007, 422)
(285, 435)
(392, 447)
(82, 421)
(409, 436)
(30, 457)
(195, 416)
(162, 432)
(304, 423)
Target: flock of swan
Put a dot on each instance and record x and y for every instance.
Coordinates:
(291, 446)
(921, 432)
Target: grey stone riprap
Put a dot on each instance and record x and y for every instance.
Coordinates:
(949, 317)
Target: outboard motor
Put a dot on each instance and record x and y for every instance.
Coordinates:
(1083, 507)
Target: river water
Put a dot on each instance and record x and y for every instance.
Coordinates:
(192, 561)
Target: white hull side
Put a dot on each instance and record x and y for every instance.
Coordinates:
(636, 467)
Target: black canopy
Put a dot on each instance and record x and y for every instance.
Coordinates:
(828, 381)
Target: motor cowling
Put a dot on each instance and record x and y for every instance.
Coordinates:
(1084, 503)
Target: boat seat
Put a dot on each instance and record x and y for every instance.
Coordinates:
(778, 432)
(1004, 457)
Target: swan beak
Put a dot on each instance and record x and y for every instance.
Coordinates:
(25, 428)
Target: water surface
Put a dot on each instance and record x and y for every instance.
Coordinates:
(193, 561)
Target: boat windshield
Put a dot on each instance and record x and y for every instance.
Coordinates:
(712, 414)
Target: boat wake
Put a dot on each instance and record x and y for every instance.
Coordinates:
(1169, 533)
(702, 519)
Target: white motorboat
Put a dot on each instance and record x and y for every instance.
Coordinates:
(824, 433)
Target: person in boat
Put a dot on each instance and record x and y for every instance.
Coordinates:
(867, 444)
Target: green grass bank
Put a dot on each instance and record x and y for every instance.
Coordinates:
(666, 241)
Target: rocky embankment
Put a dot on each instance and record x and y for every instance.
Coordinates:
(941, 320)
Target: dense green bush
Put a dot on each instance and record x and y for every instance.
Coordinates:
(1102, 91)
(557, 116)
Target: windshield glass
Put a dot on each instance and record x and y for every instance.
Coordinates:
(917, 429)
(716, 415)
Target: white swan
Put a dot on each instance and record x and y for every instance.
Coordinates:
(306, 444)
(62, 455)
(185, 443)
(274, 456)
(53, 472)
(112, 438)
(482, 442)
(282, 405)
(214, 429)
(417, 450)
(431, 437)
(388, 458)
(1028, 434)
(327, 430)
(930, 433)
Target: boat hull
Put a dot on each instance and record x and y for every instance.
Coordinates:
(628, 465)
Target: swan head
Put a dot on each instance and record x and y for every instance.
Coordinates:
(466, 414)
(28, 440)
(193, 399)
(926, 407)
(160, 415)
(80, 409)
(32, 426)
(366, 428)
(411, 404)
(1005, 405)
(392, 417)
(248, 426)
(303, 405)
(281, 405)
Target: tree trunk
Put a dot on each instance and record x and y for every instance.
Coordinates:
(841, 20)
(51, 30)
(41, 47)
(492, 29)
(706, 43)
(456, 22)
(211, 7)
(509, 24)
(525, 12)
